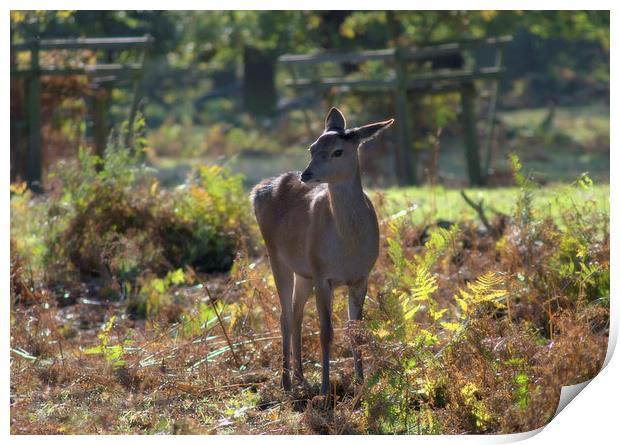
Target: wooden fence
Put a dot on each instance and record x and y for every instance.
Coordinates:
(402, 81)
(108, 72)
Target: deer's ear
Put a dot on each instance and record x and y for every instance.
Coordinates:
(370, 131)
(335, 121)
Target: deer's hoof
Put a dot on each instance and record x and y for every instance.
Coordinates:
(286, 382)
(299, 379)
(325, 389)
(321, 404)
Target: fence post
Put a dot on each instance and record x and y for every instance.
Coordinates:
(499, 60)
(33, 164)
(136, 97)
(468, 119)
(100, 121)
(259, 88)
(406, 158)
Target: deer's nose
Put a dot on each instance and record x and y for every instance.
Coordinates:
(306, 176)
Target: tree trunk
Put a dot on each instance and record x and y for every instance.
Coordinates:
(259, 89)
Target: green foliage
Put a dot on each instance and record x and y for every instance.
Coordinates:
(29, 226)
(440, 240)
(111, 223)
(113, 354)
(413, 284)
(478, 412)
(428, 337)
(487, 288)
(154, 293)
(192, 225)
(203, 317)
(464, 336)
(578, 261)
(575, 261)
(395, 407)
(524, 209)
(237, 407)
(214, 205)
(522, 391)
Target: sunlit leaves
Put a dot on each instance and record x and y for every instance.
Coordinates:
(584, 181)
(113, 354)
(522, 391)
(478, 410)
(488, 288)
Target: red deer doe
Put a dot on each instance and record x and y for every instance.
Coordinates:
(321, 231)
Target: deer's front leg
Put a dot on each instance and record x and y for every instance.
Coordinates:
(283, 277)
(357, 295)
(301, 292)
(323, 292)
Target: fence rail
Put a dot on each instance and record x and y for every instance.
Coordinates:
(143, 42)
(400, 81)
(33, 74)
(417, 52)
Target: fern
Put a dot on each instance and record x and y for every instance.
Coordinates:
(412, 282)
(424, 285)
(112, 354)
(440, 240)
(479, 413)
(487, 288)
(395, 252)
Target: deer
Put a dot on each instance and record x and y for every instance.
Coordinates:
(321, 232)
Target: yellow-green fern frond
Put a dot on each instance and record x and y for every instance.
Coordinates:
(488, 288)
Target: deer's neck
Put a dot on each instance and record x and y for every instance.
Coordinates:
(349, 207)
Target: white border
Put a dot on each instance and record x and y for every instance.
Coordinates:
(592, 418)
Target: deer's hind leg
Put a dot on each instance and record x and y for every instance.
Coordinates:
(283, 277)
(357, 295)
(301, 292)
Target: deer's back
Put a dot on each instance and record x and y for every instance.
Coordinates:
(282, 206)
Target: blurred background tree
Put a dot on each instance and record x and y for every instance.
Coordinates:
(212, 83)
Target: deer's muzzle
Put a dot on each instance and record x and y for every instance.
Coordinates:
(306, 175)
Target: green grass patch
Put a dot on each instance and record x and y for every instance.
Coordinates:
(448, 204)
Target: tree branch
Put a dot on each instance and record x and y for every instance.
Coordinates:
(480, 211)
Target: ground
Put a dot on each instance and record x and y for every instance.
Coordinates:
(199, 367)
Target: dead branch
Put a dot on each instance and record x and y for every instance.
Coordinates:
(480, 211)
(217, 313)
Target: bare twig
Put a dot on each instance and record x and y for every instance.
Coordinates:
(433, 170)
(480, 211)
(219, 319)
(189, 389)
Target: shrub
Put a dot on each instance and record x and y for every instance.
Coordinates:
(468, 339)
(110, 226)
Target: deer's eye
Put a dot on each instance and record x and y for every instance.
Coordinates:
(337, 153)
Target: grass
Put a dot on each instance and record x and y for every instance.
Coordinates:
(558, 144)
(448, 204)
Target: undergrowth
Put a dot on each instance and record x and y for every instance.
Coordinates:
(118, 324)
(107, 230)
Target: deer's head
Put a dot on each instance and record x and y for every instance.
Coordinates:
(334, 153)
